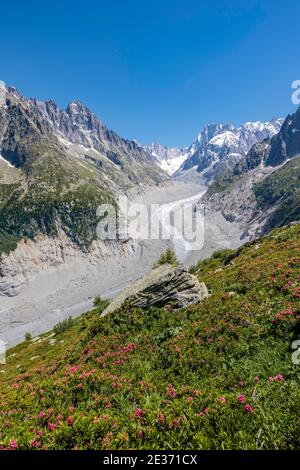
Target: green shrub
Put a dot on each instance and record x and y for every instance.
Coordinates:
(100, 303)
(63, 325)
(236, 287)
(217, 375)
(168, 257)
(28, 337)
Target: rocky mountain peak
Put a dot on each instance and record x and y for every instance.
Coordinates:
(219, 147)
(286, 143)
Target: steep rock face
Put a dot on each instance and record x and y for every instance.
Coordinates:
(258, 200)
(77, 131)
(68, 163)
(275, 151)
(197, 155)
(163, 286)
(237, 204)
(286, 144)
(31, 258)
(79, 126)
(219, 148)
(56, 168)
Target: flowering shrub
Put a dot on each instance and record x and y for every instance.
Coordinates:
(215, 376)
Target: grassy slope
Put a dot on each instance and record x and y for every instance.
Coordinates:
(171, 380)
(281, 188)
(55, 191)
(7, 242)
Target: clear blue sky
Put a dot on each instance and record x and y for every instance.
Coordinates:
(156, 69)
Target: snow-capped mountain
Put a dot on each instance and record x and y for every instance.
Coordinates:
(168, 158)
(218, 148)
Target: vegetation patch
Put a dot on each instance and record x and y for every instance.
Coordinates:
(218, 375)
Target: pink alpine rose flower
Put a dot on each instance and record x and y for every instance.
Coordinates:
(70, 421)
(249, 408)
(138, 412)
(13, 444)
(222, 400)
(241, 398)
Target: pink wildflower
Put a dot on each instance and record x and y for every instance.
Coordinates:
(222, 400)
(138, 412)
(51, 426)
(241, 398)
(248, 408)
(13, 444)
(279, 378)
(70, 421)
(171, 391)
(204, 412)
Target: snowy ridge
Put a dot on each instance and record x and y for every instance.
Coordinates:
(218, 148)
(168, 158)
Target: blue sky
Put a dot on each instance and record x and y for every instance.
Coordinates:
(156, 70)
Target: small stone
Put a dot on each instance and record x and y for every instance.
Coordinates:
(34, 357)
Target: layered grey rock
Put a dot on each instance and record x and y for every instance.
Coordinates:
(163, 286)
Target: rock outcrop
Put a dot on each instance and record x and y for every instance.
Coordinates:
(163, 286)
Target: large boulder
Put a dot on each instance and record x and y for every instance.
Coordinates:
(163, 286)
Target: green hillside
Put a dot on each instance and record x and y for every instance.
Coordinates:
(7, 242)
(282, 190)
(218, 375)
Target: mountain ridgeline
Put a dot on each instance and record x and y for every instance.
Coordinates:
(57, 166)
(262, 191)
(215, 151)
(220, 147)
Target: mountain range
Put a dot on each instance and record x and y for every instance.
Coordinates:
(180, 353)
(57, 166)
(215, 151)
(262, 190)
